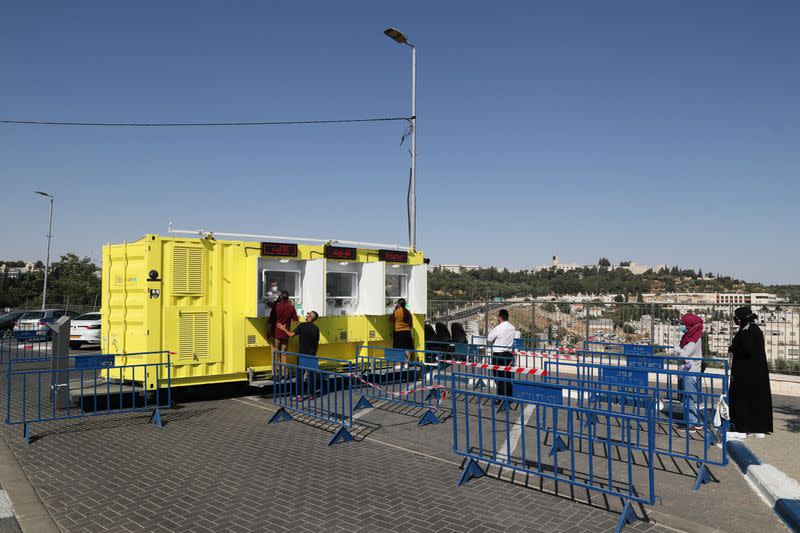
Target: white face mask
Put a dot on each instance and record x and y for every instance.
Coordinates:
(274, 288)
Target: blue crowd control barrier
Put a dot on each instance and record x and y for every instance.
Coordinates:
(641, 360)
(386, 375)
(80, 386)
(306, 389)
(30, 345)
(674, 403)
(613, 456)
(523, 343)
(630, 348)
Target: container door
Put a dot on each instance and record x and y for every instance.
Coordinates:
(372, 289)
(418, 290)
(314, 286)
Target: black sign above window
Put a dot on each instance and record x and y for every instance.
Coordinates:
(279, 249)
(341, 253)
(393, 256)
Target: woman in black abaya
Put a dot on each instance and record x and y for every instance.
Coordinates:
(749, 391)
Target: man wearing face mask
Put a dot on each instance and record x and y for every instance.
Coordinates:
(691, 346)
(272, 294)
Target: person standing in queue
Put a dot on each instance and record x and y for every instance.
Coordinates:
(283, 314)
(308, 336)
(749, 391)
(402, 318)
(502, 336)
(691, 346)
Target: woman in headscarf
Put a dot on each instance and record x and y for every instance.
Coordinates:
(691, 346)
(749, 391)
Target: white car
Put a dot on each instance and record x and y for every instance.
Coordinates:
(84, 330)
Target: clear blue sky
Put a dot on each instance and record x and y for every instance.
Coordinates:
(658, 132)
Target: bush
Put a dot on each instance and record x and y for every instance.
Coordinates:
(784, 366)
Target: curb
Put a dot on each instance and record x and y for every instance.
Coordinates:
(29, 512)
(778, 489)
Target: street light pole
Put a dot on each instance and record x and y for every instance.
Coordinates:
(49, 236)
(398, 37)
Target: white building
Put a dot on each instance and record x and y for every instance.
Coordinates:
(458, 269)
(558, 265)
(636, 268)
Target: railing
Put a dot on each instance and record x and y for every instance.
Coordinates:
(303, 388)
(25, 345)
(84, 386)
(696, 393)
(387, 374)
(601, 455)
(574, 322)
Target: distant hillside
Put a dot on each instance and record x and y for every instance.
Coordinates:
(491, 282)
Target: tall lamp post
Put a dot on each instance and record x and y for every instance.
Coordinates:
(49, 235)
(397, 36)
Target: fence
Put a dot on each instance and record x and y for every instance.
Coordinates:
(697, 400)
(84, 386)
(573, 323)
(306, 389)
(534, 343)
(25, 345)
(387, 375)
(613, 456)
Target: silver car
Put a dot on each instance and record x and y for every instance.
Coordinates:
(84, 330)
(36, 321)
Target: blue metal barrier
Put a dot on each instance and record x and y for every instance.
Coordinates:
(641, 360)
(28, 345)
(386, 375)
(675, 430)
(554, 443)
(528, 343)
(78, 387)
(306, 389)
(630, 348)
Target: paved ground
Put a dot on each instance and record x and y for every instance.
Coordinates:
(780, 449)
(216, 466)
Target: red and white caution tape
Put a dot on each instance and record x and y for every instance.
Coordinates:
(547, 355)
(510, 369)
(405, 392)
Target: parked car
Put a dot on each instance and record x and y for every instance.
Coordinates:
(37, 321)
(7, 322)
(84, 330)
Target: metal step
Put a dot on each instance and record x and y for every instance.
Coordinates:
(259, 379)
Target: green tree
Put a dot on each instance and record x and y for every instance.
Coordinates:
(604, 262)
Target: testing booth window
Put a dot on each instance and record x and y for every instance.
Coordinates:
(288, 280)
(342, 292)
(396, 288)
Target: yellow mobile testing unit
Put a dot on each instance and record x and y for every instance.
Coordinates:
(206, 300)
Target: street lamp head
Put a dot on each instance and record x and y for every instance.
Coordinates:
(396, 35)
(44, 194)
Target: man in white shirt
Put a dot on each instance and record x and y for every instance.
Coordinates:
(501, 338)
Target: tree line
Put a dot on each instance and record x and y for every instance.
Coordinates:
(71, 279)
(490, 283)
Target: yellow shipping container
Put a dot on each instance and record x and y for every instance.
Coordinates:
(205, 300)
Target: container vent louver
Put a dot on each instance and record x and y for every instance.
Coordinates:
(188, 270)
(194, 335)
